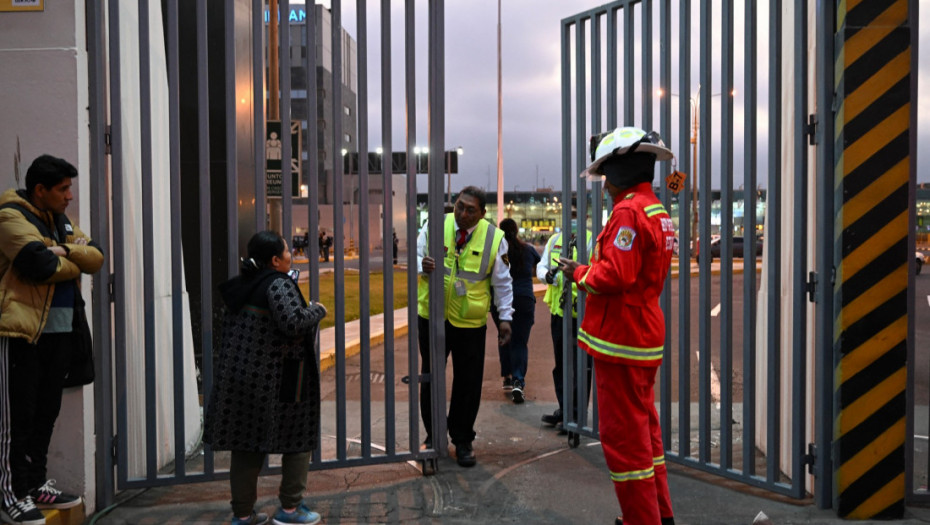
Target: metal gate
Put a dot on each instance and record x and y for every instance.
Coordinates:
(179, 109)
(735, 387)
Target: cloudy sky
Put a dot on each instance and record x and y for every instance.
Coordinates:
(531, 87)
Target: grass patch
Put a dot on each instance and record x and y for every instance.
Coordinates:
(353, 294)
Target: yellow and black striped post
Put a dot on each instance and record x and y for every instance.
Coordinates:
(873, 68)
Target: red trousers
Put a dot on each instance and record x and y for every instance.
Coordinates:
(632, 441)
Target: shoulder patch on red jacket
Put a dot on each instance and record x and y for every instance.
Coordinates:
(625, 237)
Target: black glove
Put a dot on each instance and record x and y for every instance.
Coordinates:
(550, 275)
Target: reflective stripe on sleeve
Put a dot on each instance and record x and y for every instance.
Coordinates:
(654, 209)
(585, 284)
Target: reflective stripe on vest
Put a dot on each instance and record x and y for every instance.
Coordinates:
(623, 351)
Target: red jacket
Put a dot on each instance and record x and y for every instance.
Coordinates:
(622, 321)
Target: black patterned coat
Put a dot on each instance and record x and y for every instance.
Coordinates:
(266, 390)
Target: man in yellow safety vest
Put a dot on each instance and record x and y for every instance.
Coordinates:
(474, 262)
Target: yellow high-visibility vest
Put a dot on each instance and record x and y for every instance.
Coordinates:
(467, 304)
(553, 295)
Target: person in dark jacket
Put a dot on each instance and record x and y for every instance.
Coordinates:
(514, 355)
(266, 392)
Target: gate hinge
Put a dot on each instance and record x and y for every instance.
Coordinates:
(108, 139)
(811, 129)
(811, 457)
(111, 287)
(811, 286)
(114, 448)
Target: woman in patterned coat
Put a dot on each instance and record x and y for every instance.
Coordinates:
(266, 392)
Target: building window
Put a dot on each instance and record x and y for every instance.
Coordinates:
(347, 110)
(348, 138)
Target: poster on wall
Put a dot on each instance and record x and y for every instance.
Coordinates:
(21, 5)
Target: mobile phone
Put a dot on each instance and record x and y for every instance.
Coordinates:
(294, 274)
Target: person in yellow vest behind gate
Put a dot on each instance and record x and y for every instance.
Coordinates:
(547, 272)
(475, 260)
(623, 326)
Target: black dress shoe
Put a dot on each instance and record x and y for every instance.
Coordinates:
(552, 419)
(465, 456)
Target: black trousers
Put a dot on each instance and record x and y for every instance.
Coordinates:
(558, 372)
(467, 348)
(37, 374)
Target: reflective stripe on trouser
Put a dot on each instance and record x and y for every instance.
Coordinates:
(632, 441)
(6, 483)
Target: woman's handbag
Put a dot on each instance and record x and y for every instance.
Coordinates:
(81, 371)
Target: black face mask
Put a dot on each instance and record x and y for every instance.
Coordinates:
(628, 170)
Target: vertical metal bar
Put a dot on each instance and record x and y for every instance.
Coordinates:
(665, 126)
(773, 241)
(595, 77)
(726, 262)
(410, 87)
(750, 134)
(363, 284)
(611, 69)
(174, 173)
(100, 230)
(704, 357)
(566, 59)
(120, 296)
(284, 70)
(629, 117)
(148, 257)
(823, 362)
(799, 309)
(312, 170)
(436, 117)
(258, 111)
(579, 399)
(387, 174)
(206, 227)
(684, 230)
(569, 354)
(232, 171)
(647, 58)
(338, 235)
(597, 203)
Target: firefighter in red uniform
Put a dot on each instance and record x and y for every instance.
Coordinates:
(623, 327)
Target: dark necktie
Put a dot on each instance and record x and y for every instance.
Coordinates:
(460, 241)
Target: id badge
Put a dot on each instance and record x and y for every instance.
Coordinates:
(460, 288)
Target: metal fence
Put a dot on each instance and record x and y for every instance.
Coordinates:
(178, 149)
(734, 387)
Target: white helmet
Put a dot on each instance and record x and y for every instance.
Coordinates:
(620, 142)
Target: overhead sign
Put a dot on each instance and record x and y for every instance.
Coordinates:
(273, 153)
(22, 5)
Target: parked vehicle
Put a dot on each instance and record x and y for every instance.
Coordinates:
(921, 259)
(715, 247)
